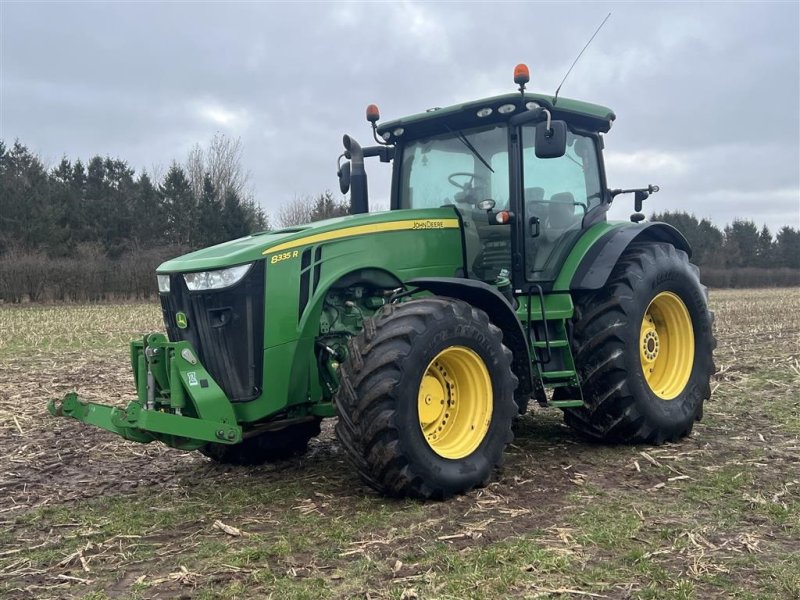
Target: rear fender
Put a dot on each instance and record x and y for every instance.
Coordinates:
(485, 297)
(595, 267)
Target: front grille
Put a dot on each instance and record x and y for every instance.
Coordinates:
(226, 327)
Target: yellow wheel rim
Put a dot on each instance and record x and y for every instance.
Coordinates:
(666, 345)
(455, 402)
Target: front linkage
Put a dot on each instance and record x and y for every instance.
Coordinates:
(178, 403)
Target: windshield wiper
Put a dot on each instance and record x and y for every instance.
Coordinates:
(468, 144)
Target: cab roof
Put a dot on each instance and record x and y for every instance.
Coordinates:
(593, 117)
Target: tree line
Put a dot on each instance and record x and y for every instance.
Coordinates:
(104, 204)
(738, 245)
(97, 230)
(740, 254)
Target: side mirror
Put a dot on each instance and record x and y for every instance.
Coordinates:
(552, 142)
(344, 177)
(640, 196)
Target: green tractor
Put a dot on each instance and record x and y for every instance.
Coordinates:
(495, 279)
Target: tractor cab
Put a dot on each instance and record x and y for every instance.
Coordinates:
(524, 172)
(509, 200)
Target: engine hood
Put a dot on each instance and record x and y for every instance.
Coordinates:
(261, 245)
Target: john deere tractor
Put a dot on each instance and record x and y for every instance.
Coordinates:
(494, 280)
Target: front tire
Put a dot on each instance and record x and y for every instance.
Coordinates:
(426, 399)
(643, 347)
(269, 446)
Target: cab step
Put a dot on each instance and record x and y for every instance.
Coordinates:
(552, 344)
(551, 375)
(560, 384)
(565, 403)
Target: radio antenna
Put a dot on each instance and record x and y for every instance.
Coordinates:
(555, 98)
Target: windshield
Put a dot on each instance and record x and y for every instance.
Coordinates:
(459, 167)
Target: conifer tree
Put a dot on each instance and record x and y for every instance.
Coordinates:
(741, 244)
(210, 226)
(765, 249)
(179, 207)
(787, 248)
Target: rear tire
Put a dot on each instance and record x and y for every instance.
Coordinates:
(643, 348)
(402, 443)
(269, 446)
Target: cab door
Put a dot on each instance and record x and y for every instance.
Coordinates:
(557, 194)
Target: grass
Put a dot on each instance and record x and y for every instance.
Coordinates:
(60, 328)
(714, 516)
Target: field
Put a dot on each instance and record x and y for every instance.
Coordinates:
(85, 514)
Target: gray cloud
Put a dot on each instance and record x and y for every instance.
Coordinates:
(707, 95)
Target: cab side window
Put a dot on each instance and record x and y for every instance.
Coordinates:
(575, 173)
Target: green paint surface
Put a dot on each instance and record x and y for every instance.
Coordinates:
(252, 247)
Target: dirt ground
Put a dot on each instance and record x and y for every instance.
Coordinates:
(86, 514)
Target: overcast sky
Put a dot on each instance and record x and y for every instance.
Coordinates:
(707, 96)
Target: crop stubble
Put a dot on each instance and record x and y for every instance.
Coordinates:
(82, 510)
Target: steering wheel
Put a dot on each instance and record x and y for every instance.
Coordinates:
(467, 185)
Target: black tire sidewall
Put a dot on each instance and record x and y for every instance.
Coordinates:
(669, 274)
(453, 475)
(266, 447)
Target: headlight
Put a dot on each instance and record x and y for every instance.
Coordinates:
(163, 284)
(215, 280)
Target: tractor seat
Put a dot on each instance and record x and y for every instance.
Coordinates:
(561, 215)
(557, 219)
